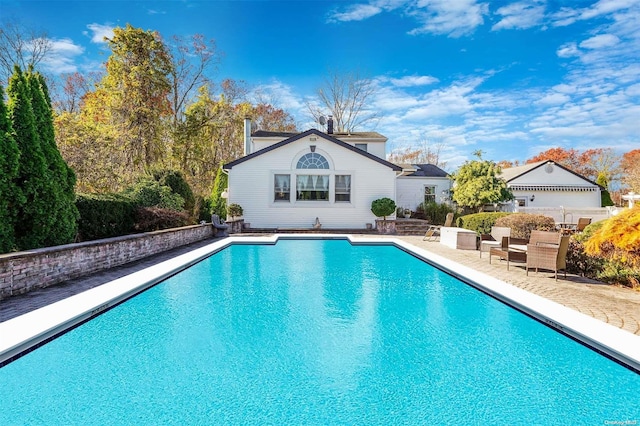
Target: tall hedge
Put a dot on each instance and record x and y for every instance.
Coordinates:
(106, 215)
(9, 192)
(62, 213)
(32, 210)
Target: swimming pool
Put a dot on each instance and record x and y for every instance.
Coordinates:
(315, 332)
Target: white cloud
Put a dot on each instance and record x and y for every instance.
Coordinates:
(61, 59)
(567, 16)
(520, 15)
(413, 80)
(454, 18)
(357, 12)
(553, 99)
(280, 95)
(568, 50)
(600, 41)
(99, 32)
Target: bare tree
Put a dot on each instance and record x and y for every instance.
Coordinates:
(426, 152)
(346, 96)
(21, 46)
(193, 59)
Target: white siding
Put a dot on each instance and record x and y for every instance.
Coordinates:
(557, 176)
(251, 184)
(410, 190)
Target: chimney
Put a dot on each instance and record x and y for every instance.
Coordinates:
(330, 125)
(247, 136)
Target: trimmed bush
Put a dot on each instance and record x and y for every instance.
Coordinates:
(480, 222)
(105, 216)
(150, 219)
(522, 224)
(383, 207)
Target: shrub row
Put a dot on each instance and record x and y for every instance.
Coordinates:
(480, 222)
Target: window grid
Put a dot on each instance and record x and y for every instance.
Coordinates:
(312, 160)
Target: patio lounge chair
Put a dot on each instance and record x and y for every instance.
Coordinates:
(494, 239)
(582, 223)
(219, 226)
(433, 231)
(548, 255)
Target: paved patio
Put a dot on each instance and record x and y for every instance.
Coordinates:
(618, 306)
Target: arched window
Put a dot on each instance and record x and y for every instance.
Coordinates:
(312, 160)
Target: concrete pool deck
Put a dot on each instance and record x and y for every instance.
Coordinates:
(617, 306)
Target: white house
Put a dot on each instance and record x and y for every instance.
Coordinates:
(290, 179)
(548, 184)
(420, 183)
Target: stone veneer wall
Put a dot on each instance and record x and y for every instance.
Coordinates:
(24, 271)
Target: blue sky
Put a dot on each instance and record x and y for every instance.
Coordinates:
(511, 78)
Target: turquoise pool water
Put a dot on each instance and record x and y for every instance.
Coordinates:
(315, 332)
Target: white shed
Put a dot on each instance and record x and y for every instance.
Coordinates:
(548, 184)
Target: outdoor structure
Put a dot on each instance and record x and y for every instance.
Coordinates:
(422, 182)
(548, 184)
(296, 180)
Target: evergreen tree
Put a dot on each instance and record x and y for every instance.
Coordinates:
(605, 196)
(32, 211)
(62, 215)
(9, 193)
(219, 204)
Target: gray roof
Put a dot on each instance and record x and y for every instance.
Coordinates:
(425, 170)
(325, 136)
(515, 172)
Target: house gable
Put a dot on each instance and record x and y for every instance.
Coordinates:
(311, 132)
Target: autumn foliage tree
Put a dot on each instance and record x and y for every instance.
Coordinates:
(618, 241)
(588, 163)
(630, 166)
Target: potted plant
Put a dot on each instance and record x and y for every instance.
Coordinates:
(234, 211)
(407, 213)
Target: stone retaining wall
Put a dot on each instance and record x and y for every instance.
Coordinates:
(24, 271)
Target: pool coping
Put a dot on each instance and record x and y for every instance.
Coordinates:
(24, 333)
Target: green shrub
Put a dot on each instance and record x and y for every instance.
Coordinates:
(435, 213)
(174, 180)
(522, 224)
(203, 209)
(235, 210)
(104, 216)
(150, 193)
(153, 219)
(480, 222)
(383, 207)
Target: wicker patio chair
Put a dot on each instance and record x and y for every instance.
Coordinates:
(582, 223)
(548, 255)
(433, 231)
(494, 239)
